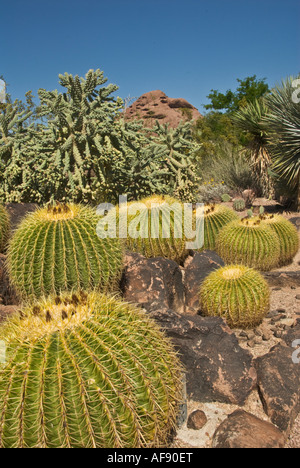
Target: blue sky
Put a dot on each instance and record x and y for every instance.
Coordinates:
(185, 48)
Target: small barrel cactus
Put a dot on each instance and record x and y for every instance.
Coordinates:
(57, 248)
(161, 238)
(225, 198)
(215, 218)
(287, 234)
(87, 371)
(249, 242)
(236, 293)
(239, 204)
(4, 227)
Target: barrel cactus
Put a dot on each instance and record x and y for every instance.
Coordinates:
(57, 248)
(87, 371)
(249, 242)
(4, 227)
(239, 204)
(168, 241)
(215, 218)
(236, 293)
(287, 234)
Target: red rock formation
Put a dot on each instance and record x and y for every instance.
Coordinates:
(156, 105)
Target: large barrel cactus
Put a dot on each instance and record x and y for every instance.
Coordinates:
(215, 218)
(249, 242)
(57, 248)
(87, 371)
(236, 293)
(161, 238)
(287, 234)
(4, 227)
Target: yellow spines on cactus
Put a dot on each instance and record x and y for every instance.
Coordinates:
(287, 234)
(169, 212)
(236, 293)
(249, 242)
(57, 248)
(215, 218)
(87, 371)
(4, 227)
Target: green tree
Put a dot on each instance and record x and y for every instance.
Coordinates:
(248, 90)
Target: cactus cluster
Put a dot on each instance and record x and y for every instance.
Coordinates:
(249, 242)
(287, 234)
(4, 227)
(86, 371)
(236, 293)
(57, 248)
(215, 218)
(163, 238)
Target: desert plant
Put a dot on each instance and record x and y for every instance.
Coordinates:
(87, 371)
(237, 293)
(168, 241)
(4, 227)
(249, 242)
(239, 204)
(225, 198)
(287, 234)
(57, 248)
(215, 218)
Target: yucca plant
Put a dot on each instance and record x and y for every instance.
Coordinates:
(57, 248)
(215, 218)
(87, 371)
(249, 242)
(250, 119)
(287, 234)
(155, 228)
(4, 227)
(283, 124)
(236, 293)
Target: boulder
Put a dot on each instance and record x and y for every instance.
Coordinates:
(217, 368)
(153, 283)
(243, 430)
(278, 379)
(197, 268)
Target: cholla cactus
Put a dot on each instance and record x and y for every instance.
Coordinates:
(287, 234)
(238, 294)
(87, 371)
(4, 227)
(57, 248)
(169, 240)
(249, 242)
(215, 218)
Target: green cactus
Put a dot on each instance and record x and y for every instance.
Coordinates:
(87, 371)
(239, 204)
(215, 218)
(4, 227)
(236, 293)
(249, 242)
(225, 198)
(170, 246)
(287, 234)
(57, 248)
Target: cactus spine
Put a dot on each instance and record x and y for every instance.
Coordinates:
(168, 241)
(236, 293)
(4, 227)
(57, 248)
(249, 242)
(287, 234)
(215, 218)
(86, 371)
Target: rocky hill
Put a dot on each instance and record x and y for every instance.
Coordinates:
(156, 105)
